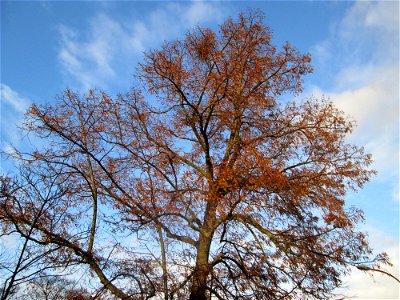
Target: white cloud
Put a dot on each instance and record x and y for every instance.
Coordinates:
(372, 24)
(381, 15)
(362, 285)
(375, 107)
(362, 52)
(201, 11)
(13, 106)
(366, 37)
(108, 51)
(11, 97)
(89, 62)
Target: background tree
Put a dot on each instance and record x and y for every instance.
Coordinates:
(57, 287)
(45, 287)
(24, 262)
(212, 187)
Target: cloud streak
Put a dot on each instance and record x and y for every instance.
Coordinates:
(9, 97)
(107, 52)
(13, 106)
(89, 61)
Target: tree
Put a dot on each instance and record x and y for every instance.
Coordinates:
(48, 287)
(200, 182)
(30, 262)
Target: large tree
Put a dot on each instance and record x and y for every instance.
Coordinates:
(200, 182)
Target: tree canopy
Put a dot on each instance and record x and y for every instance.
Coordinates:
(199, 183)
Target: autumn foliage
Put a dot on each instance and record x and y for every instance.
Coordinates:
(200, 182)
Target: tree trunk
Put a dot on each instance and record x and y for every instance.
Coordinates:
(201, 270)
(200, 274)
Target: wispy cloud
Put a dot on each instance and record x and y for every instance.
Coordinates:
(12, 109)
(378, 17)
(89, 61)
(367, 37)
(107, 51)
(9, 97)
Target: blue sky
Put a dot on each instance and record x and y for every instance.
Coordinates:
(48, 46)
